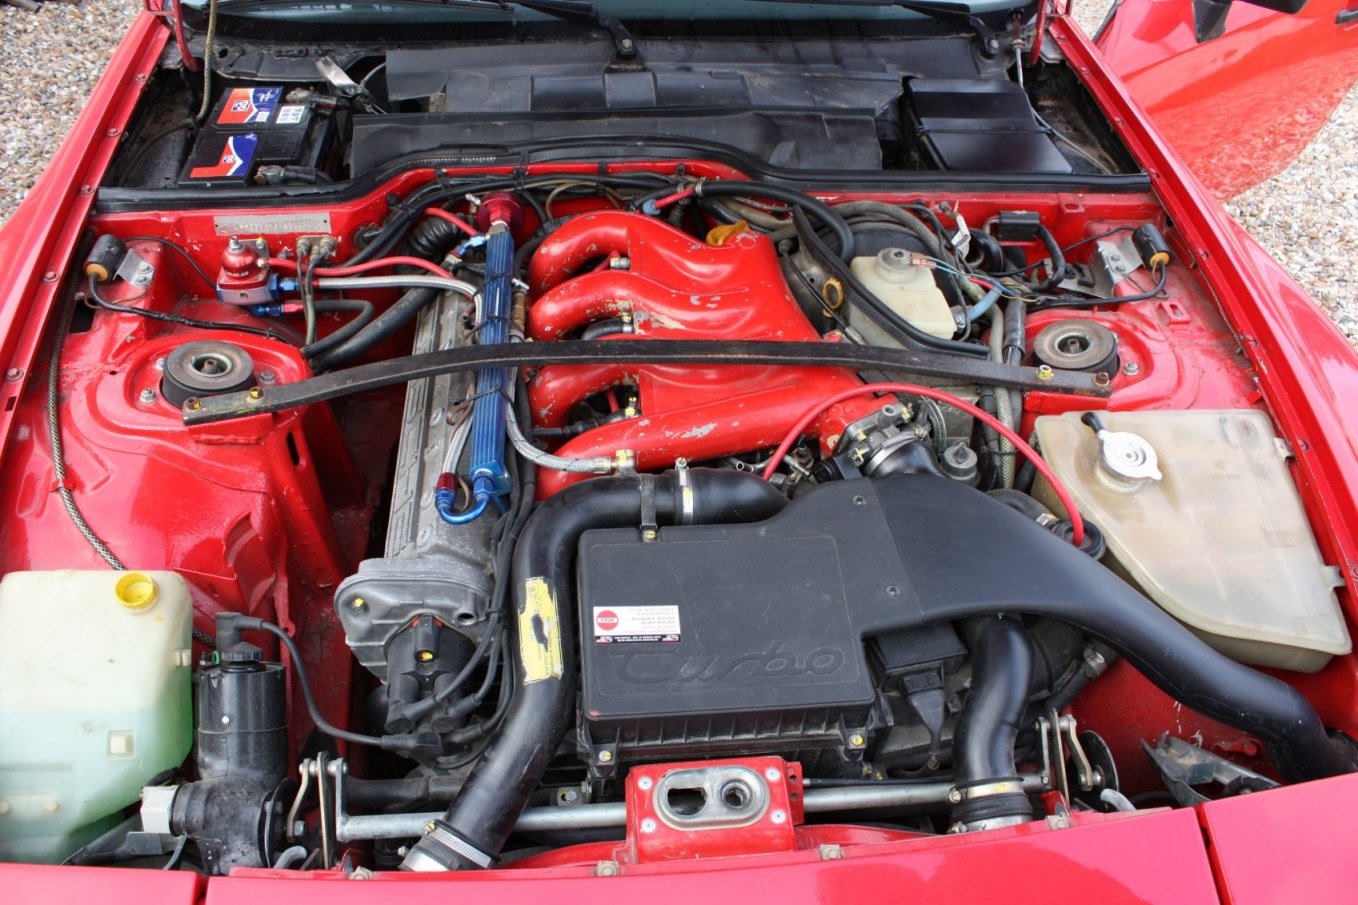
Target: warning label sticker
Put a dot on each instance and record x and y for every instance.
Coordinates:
(290, 113)
(624, 624)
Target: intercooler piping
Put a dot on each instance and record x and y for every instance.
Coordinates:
(986, 783)
(475, 827)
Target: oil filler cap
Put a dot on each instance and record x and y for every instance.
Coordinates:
(206, 368)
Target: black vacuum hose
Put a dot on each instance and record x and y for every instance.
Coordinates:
(984, 772)
(474, 829)
(827, 215)
(388, 322)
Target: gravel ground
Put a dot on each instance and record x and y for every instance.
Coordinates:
(1307, 217)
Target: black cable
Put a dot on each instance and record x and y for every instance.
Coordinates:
(179, 251)
(799, 200)
(390, 742)
(1066, 250)
(365, 312)
(180, 319)
(1068, 301)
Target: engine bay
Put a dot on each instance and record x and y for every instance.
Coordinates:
(524, 510)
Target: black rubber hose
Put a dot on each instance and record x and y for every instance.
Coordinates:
(388, 322)
(1058, 261)
(363, 311)
(799, 200)
(432, 237)
(984, 772)
(935, 525)
(474, 829)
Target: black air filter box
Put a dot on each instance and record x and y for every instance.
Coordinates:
(700, 644)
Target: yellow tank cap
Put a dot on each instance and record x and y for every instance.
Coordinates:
(720, 235)
(135, 590)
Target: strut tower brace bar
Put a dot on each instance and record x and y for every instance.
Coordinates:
(639, 351)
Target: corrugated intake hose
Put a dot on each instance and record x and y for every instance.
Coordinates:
(984, 772)
(474, 829)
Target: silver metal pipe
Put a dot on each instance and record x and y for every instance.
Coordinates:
(611, 814)
(405, 281)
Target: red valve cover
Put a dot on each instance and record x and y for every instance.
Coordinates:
(674, 286)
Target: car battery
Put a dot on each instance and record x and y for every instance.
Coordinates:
(252, 126)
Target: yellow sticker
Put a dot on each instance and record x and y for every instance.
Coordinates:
(539, 633)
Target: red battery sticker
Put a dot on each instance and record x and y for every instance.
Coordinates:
(233, 160)
(246, 106)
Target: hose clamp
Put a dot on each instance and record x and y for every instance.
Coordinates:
(440, 837)
(685, 491)
(986, 790)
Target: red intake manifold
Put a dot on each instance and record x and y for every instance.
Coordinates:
(676, 287)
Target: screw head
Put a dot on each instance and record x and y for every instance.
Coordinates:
(644, 783)
(648, 825)
(147, 396)
(358, 605)
(256, 393)
(857, 740)
(605, 757)
(1044, 372)
(778, 816)
(955, 796)
(1131, 369)
(430, 827)
(14, 374)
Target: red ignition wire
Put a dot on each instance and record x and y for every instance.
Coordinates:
(1077, 524)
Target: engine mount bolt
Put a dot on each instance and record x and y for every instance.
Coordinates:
(147, 396)
(856, 740)
(605, 757)
(1131, 369)
(1044, 372)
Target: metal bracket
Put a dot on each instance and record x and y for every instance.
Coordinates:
(1061, 741)
(1183, 766)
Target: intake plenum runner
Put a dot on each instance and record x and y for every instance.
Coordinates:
(475, 827)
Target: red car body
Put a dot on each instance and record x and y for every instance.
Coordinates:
(1287, 845)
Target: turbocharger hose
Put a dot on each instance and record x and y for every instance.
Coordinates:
(475, 827)
(984, 770)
